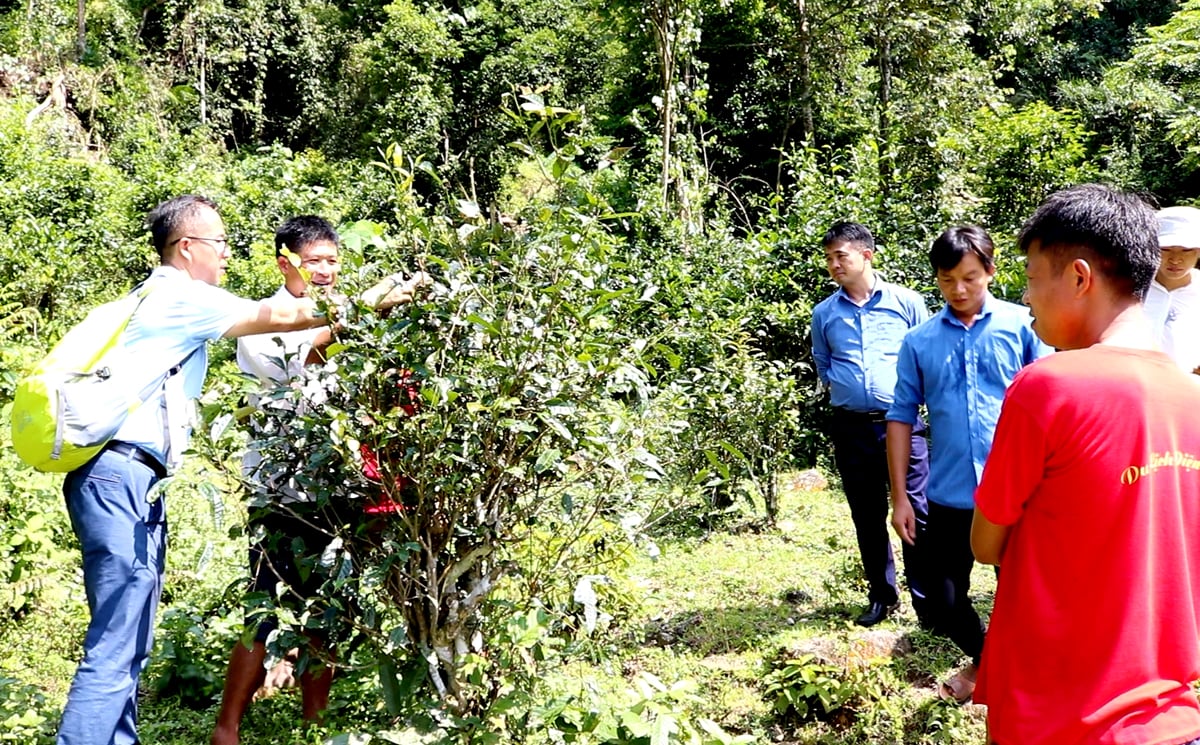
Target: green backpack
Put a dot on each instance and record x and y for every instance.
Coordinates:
(73, 402)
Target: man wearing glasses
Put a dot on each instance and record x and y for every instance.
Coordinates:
(121, 531)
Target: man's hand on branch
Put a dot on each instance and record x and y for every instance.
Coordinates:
(395, 289)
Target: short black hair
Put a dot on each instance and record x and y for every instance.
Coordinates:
(297, 232)
(850, 232)
(1117, 230)
(949, 248)
(170, 216)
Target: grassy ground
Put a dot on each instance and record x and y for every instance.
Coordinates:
(721, 609)
(724, 608)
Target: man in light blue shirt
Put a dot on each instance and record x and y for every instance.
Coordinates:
(856, 335)
(958, 363)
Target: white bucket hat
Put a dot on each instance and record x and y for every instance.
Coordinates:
(1179, 226)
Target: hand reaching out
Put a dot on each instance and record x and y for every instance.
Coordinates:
(394, 290)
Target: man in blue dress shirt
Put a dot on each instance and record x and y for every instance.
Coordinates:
(856, 334)
(958, 363)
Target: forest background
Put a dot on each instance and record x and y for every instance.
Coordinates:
(621, 205)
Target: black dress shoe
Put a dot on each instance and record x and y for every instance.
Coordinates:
(875, 613)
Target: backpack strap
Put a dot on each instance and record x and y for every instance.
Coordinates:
(171, 443)
(175, 444)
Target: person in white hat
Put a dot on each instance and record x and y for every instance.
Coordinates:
(1173, 301)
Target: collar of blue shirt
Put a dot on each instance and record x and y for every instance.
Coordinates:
(877, 283)
(989, 304)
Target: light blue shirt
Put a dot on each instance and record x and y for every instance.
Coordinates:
(855, 347)
(961, 374)
(173, 325)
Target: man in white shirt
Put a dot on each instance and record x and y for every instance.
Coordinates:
(1173, 300)
(308, 255)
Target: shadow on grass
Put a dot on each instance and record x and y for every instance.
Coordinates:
(743, 628)
(719, 630)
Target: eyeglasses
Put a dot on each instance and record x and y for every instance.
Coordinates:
(221, 244)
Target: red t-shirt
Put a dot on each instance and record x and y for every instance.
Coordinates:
(1095, 636)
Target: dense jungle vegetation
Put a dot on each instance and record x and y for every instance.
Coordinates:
(621, 205)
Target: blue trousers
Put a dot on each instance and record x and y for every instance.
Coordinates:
(860, 454)
(124, 542)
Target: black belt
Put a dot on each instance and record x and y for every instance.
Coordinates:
(875, 417)
(135, 453)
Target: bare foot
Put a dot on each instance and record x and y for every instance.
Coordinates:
(961, 687)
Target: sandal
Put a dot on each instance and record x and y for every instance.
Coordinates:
(959, 688)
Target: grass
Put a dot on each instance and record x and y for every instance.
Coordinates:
(722, 609)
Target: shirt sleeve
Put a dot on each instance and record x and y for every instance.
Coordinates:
(920, 312)
(1034, 348)
(909, 391)
(207, 312)
(1016, 463)
(820, 346)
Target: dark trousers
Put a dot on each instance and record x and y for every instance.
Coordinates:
(948, 561)
(860, 454)
(287, 552)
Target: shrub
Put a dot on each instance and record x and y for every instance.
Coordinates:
(191, 654)
(502, 406)
(805, 688)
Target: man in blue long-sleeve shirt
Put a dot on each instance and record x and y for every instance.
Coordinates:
(958, 363)
(856, 334)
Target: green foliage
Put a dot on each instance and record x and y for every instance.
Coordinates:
(1042, 46)
(1010, 160)
(226, 61)
(1143, 108)
(853, 699)
(589, 611)
(945, 724)
(200, 618)
(34, 561)
(22, 714)
(651, 712)
(702, 444)
(396, 90)
(17, 321)
(38, 570)
(804, 688)
(618, 335)
(778, 81)
(66, 217)
(191, 654)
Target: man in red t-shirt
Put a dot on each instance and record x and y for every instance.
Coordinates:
(1090, 499)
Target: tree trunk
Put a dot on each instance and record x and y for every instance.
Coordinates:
(670, 22)
(203, 82)
(661, 16)
(771, 493)
(804, 75)
(80, 28)
(805, 85)
(884, 138)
